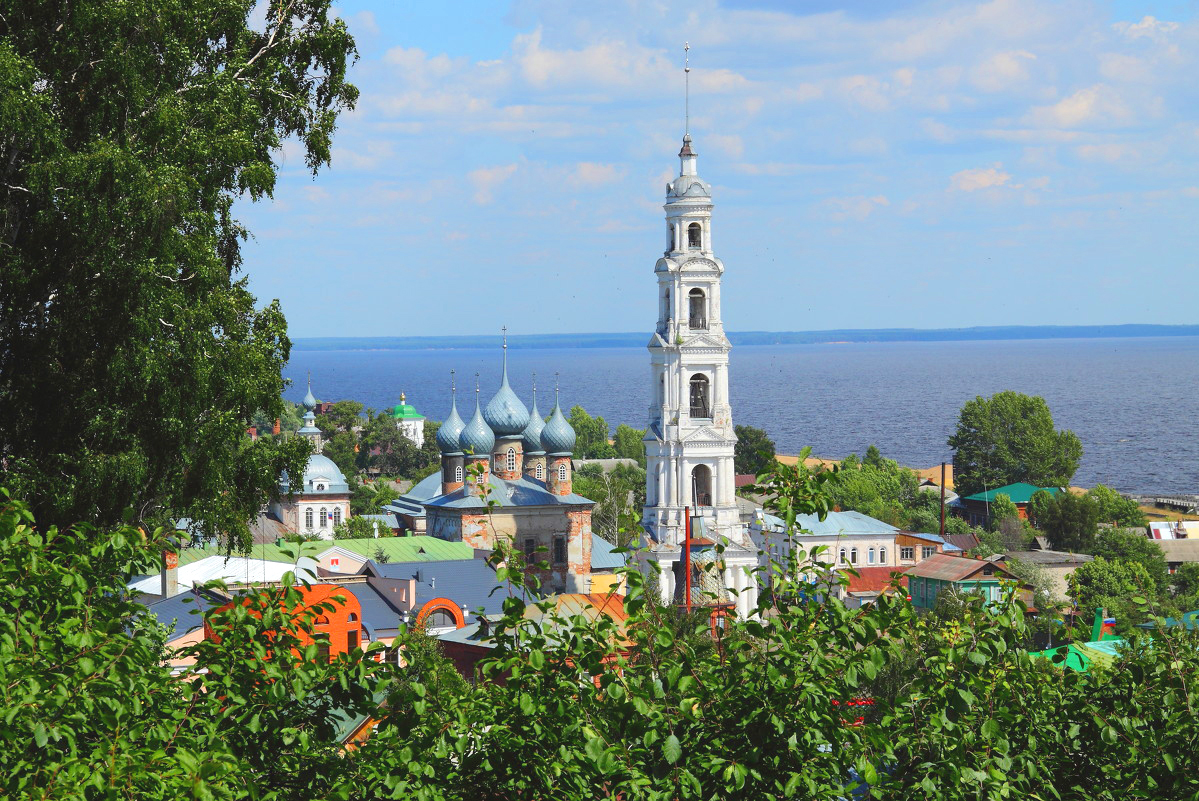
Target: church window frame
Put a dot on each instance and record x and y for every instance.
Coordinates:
(308, 518)
(701, 396)
(562, 471)
(695, 236)
(701, 485)
(560, 549)
(510, 460)
(458, 474)
(530, 549)
(697, 310)
(539, 472)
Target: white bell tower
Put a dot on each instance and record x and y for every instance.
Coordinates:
(690, 439)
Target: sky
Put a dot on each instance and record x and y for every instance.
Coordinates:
(874, 165)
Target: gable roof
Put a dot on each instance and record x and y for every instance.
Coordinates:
(183, 613)
(470, 583)
(946, 567)
(603, 556)
(1020, 492)
(420, 548)
(231, 570)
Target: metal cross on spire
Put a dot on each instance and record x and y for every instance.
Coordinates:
(687, 90)
(453, 383)
(555, 388)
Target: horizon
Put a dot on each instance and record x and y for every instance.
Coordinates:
(1005, 163)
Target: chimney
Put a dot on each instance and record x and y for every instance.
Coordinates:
(170, 574)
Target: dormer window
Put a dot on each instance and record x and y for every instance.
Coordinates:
(320, 487)
(698, 310)
(695, 236)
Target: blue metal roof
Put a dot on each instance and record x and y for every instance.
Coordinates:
(379, 615)
(451, 429)
(520, 492)
(477, 437)
(531, 437)
(466, 582)
(557, 438)
(505, 412)
(183, 612)
(602, 556)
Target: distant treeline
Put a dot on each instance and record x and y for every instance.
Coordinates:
(639, 340)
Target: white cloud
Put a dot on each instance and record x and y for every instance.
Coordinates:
(1003, 71)
(730, 145)
(1096, 105)
(588, 172)
(1147, 28)
(979, 178)
(856, 208)
(487, 179)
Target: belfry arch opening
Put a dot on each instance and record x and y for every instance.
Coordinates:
(695, 236)
(701, 396)
(697, 308)
(701, 485)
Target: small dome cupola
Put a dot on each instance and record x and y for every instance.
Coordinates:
(451, 429)
(309, 399)
(477, 438)
(505, 412)
(531, 436)
(557, 438)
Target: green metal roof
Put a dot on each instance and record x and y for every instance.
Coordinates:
(397, 549)
(407, 549)
(406, 411)
(1019, 492)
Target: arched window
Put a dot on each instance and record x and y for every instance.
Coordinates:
(700, 398)
(701, 485)
(870, 556)
(458, 474)
(672, 239)
(539, 472)
(308, 517)
(698, 309)
(853, 556)
(510, 460)
(337, 515)
(562, 471)
(353, 618)
(695, 235)
(324, 517)
(842, 556)
(882, 556)
(320, 487)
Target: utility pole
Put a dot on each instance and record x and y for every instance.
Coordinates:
(942, 500)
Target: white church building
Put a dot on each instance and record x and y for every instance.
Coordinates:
(690, 440)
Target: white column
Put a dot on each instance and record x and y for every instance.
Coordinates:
(666, 582)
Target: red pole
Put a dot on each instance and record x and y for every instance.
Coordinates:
(942, 500)
(687, 555)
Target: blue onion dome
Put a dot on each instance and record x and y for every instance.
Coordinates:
(450, 431)
(505, 413)
(531, 437)
(476, 437)
(557, 438)
(309, 399)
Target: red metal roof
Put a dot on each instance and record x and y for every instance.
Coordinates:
(875, 579)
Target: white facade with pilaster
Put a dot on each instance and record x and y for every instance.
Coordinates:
(690, 439)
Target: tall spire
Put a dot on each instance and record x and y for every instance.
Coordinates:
(687, 88)
(505, 412)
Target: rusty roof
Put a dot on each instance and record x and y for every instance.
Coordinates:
(875, 579)
(946, 567)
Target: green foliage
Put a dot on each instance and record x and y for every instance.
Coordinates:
(619, 496)
(1009, 438)
(1002, 509)
(1133, 546)
(340, 449)
(343, 416)
(359, 528)
(628, 443)
(1035, 576)
(754, 451)
(370, 498)
(1114, 508)
(91, 710)
(132, 356)
(1185, 583)
(1069, 521)
(1039, 505)
(1111, 585)
(591, 435)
